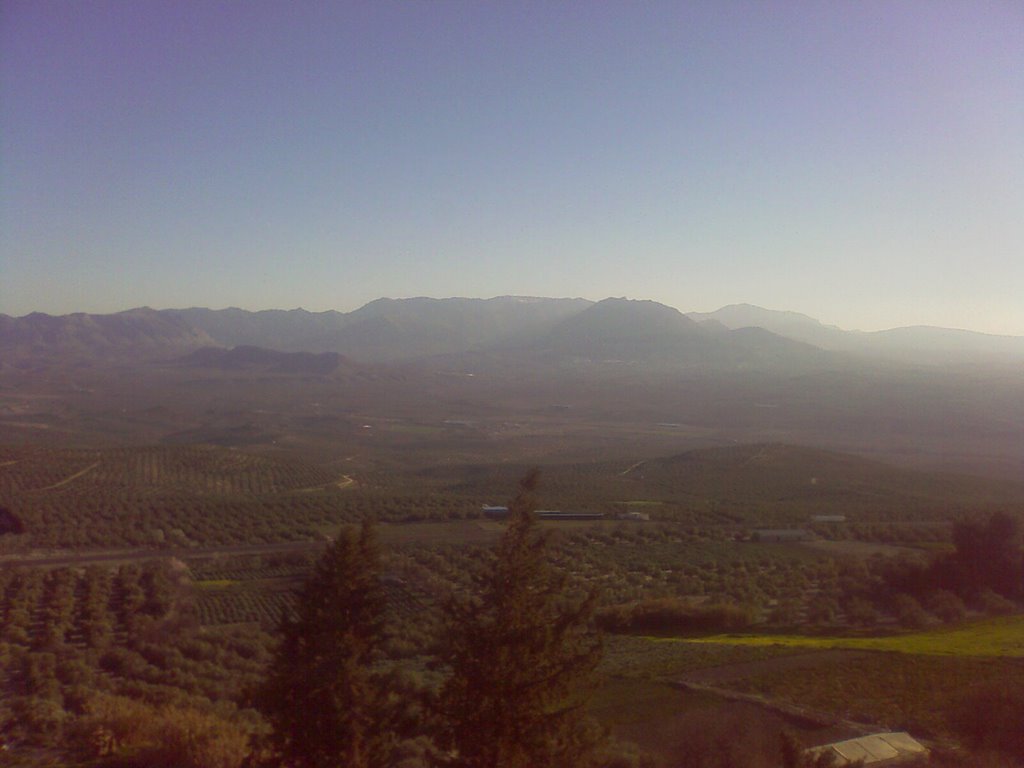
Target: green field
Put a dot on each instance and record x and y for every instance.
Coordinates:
(1002, 636)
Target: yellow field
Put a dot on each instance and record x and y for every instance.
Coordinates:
(1003, 636)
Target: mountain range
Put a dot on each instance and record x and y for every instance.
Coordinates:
(137, 333)
(527, 374)
(919, 344)
(396, 330)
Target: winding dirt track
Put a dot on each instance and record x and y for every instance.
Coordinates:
(345, 481)
(67, 480)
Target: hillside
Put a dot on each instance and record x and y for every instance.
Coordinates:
(293, 330)
(792, 325)
(918, 344)
(161, 496)
(658, 337)
(508, 378)
(136, 333)
(397, 330)
(766, 483)
(204, 495)
(386, 329)
(809, 478)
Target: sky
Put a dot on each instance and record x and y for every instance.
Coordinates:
(861, 162)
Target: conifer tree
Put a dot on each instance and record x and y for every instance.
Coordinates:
(323, 701)
(521, 651)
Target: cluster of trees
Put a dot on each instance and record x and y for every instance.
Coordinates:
(111, 662)
(516, 650)
(974, 701)
(188, 496)
(73, 637)
(70, 517)
(673, 616)
(198, 468)
(984, 572)
(886, 533)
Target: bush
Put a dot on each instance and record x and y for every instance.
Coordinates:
(909, 612)
(862, 613)
(166, 737)
(996, 605)
(947, 606)
(671, 616)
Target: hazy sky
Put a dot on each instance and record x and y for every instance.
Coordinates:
(862, 162)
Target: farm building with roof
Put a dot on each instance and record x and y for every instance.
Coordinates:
(877, 749)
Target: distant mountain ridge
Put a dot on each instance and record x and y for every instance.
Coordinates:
(386, 330)
(917, 344)
(792, 325)
(568, 361)
(657, 336)
(397, 330)
(139, 332)
(294, 330)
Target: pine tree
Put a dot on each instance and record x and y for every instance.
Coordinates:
(521, 652)
(323, 701)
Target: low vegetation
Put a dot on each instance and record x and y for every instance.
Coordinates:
(120, 658)
(998, 637)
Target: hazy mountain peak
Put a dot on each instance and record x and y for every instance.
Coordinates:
(636, 315)
(618, 328)
(741, 315)
(389, 329)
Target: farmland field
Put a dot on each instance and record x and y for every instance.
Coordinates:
(896, 691)
(1003, 636)
(161, 572)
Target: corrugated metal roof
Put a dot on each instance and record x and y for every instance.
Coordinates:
(873, 749)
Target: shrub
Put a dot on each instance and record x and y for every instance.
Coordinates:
(670, 616)
(947, 606)
(909, 612)
(165, 737)
(994, 604)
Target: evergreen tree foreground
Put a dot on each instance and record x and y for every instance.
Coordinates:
(521, 651)
(323, 700)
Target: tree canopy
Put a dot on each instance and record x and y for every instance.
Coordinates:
(520, 650)
(988, 555)
(323, 701)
